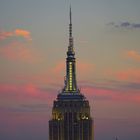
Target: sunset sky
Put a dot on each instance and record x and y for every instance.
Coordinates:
(33, 45)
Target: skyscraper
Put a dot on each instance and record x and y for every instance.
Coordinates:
(71, 119)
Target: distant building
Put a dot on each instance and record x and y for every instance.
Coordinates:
(71, 119)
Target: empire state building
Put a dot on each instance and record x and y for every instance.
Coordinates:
(71, 119)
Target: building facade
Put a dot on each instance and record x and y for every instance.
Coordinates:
(71, 119)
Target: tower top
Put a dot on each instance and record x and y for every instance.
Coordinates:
(70, 79)
(70, 90)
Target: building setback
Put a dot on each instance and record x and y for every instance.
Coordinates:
(71, 119)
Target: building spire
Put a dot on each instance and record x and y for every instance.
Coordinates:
(70, 22)
(70, 33)
(70, 79)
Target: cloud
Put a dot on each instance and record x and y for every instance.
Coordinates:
(136, 25)
(132, 75)
(23, 93)
(16, 33)
(132, 86)
(29, 115)
(133, 55)
(126, 25)
(58, 68)
(111, 85)
(31, 98)
(23, 33)
(100, 93)
(19, 52)
(126, 75)
(4, 35)
(56, 72)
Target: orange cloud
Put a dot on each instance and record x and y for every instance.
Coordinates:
(16, 33)
(23, 33)
(18, 51)
(133, 55)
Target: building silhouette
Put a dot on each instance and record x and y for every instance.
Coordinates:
(71, 119)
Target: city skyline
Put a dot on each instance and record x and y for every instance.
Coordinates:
(33, 39)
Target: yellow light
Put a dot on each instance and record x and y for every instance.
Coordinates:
(70, 75)
(87, 118)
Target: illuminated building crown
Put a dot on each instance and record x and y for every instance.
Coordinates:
(70, 79)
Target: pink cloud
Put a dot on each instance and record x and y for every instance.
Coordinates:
(129, 74)
(24, 93)
(12, 93)
(133, 55)
(59, 68)
(132, 75)
(4, 35)
(45, 79)
(16, 33)
(111, 95)
(19, 52)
